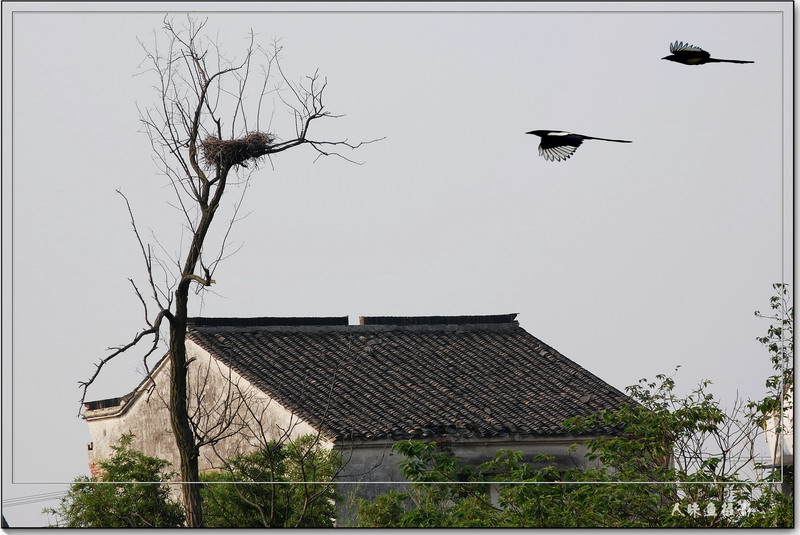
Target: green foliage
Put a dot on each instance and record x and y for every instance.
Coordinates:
(779, 341)
(385, 512)
(629, 491)
(108, 502)
(658, 427)
(253, 489)
(662, 460)
(429, 502)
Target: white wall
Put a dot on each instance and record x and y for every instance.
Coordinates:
(241, 415)
(780, 433)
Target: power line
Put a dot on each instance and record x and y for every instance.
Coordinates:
(34, 498)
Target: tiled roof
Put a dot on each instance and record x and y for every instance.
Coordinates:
(461, 376)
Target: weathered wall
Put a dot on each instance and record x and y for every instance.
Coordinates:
(231, 409)
(372, 468)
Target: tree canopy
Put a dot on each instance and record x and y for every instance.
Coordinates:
(656, 471)
(280, 485)
(130, 493)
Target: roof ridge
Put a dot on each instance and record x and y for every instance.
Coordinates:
(352, 329)
(438, 320)
(263, 321)
(327, 321)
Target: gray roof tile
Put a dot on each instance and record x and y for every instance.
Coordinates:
(462, 376)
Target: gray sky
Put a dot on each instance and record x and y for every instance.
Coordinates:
(628, 259)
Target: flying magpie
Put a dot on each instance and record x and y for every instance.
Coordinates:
(694, 55)
(557, 145)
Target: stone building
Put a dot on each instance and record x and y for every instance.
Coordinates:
(474, 383)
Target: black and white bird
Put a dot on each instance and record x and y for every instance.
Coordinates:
(694, 55)
(557, 145)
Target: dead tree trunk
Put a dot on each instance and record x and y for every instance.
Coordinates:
(188, 447)
(179, 418)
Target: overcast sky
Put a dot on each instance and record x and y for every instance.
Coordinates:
(630, 259)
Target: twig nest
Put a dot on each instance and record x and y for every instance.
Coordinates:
(230, 152)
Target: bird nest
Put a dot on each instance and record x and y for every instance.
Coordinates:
(230, 152)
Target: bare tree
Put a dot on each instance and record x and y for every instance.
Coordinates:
(207, 130)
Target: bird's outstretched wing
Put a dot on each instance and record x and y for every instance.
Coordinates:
(556, 153)
(679, 46)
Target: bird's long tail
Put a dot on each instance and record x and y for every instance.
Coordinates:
(715, 60)
(606, 139)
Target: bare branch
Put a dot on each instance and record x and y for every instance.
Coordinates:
(146, 253)
(152, 331)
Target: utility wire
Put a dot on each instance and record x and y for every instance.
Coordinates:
(34, 498)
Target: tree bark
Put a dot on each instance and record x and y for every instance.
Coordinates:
(179, 416)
